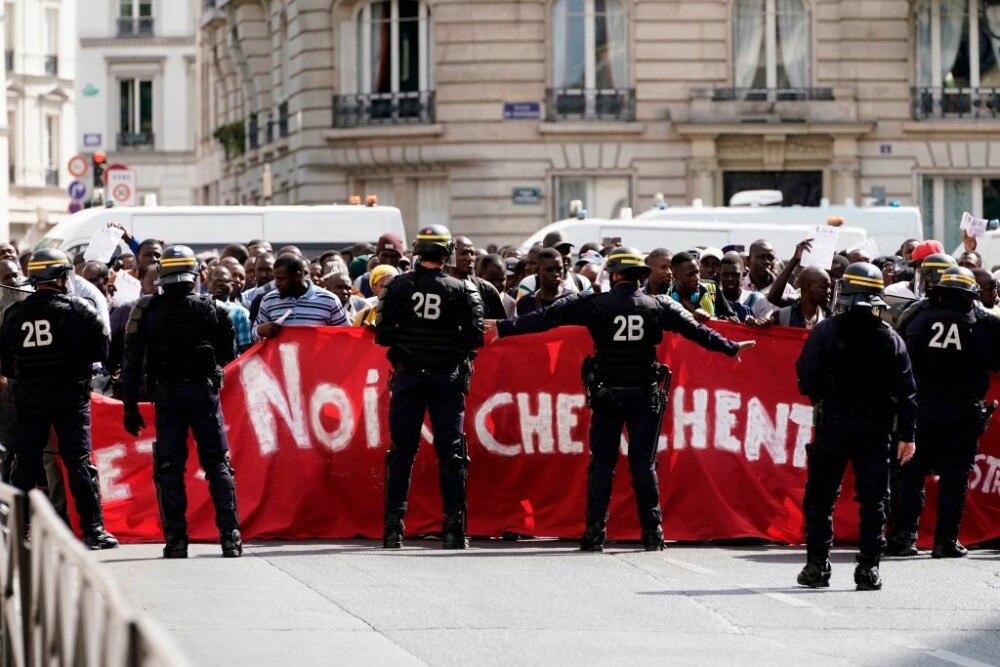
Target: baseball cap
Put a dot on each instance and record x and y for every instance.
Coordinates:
(925, 249)
(511, 265)
(590, 257)
(556, 239)
(711, 252)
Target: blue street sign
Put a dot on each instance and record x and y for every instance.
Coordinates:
(77, 190)
(522, 110)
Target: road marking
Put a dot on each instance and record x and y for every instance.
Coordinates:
(690, 567)
(784, 598)
(941, 654)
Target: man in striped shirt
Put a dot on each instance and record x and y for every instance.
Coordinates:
(296, 300)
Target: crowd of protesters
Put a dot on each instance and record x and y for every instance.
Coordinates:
(264, 289)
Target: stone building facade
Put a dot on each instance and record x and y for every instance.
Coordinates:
(40, 123)
(137, 89)
(492, 116)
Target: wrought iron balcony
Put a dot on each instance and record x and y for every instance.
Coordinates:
(365, 109)
(772, 94)
(598, 104)
(135, 26)
(955, 103)
(52, 65)
(52, 177)
(136, 140)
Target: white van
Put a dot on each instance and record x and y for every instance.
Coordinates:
(888, 226)
(314, 229)
(684, 235)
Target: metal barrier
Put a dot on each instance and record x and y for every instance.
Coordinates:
(61, 607)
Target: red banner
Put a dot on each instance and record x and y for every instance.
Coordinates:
(306, 415)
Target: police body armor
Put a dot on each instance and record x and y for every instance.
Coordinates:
(865, 350)
(950, 361)
(47, 350)
(426, 332)
(180, 347)
(626, 334)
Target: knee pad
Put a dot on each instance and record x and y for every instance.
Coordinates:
(165, 468)
(453, 466)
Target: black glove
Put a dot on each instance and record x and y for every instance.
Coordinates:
(133, 420)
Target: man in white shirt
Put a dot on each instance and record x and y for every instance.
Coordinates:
(572, 282)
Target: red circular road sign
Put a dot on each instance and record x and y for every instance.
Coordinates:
(121, 192)
(77, 166)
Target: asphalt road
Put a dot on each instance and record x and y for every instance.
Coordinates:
(543, 602)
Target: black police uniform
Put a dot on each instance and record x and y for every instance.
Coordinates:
(953, 347)
(855, 370)
(432, 324)
(50, 342)
(626, 326)
(181, 339)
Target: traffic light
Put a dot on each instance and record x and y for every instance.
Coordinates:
(100, 160)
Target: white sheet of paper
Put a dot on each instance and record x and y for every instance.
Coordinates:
(974, 227)
(824, 246)
(102, 245)
(127, 289)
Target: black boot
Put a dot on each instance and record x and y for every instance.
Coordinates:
(949, 549)
(593, 538)
(453, 532)
(392, 532)
(232, 545)
(866, 574)
(176, 546)
(902, 544)
(652, 539)
(816, 573)
(97, 539)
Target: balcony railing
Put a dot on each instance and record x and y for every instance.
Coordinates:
(136, 140)
(772, 94)
(607, 104)
(52, 65)
(135, 26)
(52, 177)
(9, 60)
(283, 119)
(383, 109)
(956, 103)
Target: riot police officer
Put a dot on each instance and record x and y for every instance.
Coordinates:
(432, 324)
(953, 346)
(50, 342)
(180, 340)
(624, 383)
(854, 417)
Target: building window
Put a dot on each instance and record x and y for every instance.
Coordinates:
(958, 58)
(601, 196)
(394, 66)
(135, 17)
(772, 41)
(136, 113)
(13, 134)
(52, 42)
(10, 24)
(590, 61)
(51, 150)
(944, 199)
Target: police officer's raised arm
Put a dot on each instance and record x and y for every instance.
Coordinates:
(571, 309)
(674, 317)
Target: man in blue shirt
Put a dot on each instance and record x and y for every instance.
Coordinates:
(296, 300)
